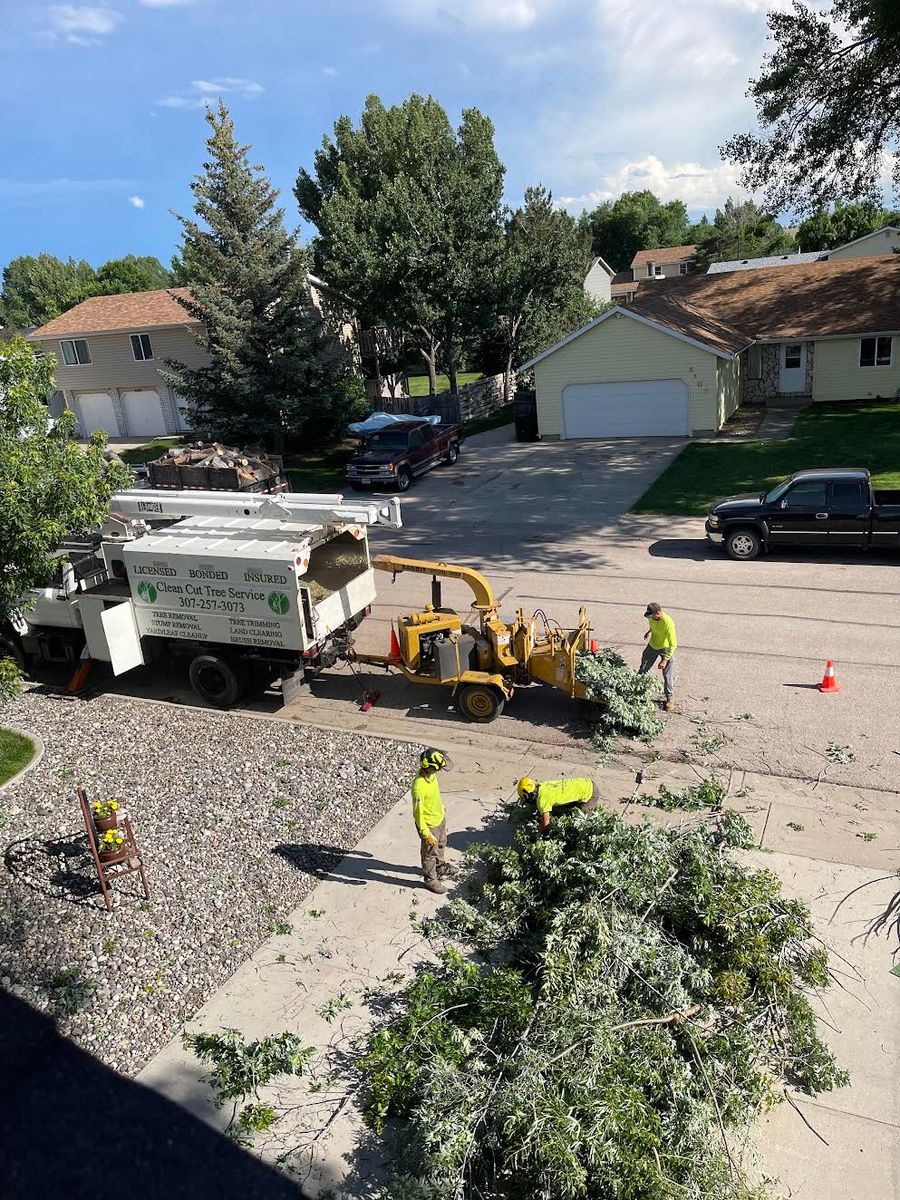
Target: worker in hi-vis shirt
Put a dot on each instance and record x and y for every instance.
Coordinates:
(557, 796)
(430, 817)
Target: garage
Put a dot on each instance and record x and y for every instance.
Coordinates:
(143, 413)
(632, 408)
(95, 410)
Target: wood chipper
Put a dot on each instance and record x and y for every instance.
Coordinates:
(480, 657)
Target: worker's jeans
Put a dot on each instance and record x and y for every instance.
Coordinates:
(648, 659)
(433, 856)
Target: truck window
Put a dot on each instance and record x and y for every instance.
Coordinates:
(415, 439)
(848, 497)
(809, 494)
(428, 434)
(388, 439)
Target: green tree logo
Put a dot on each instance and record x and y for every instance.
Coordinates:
(279, 603)
(148, 592)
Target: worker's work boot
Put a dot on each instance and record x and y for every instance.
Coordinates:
(435, 885)
(669, 705)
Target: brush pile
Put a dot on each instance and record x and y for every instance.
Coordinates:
(212, 465)
(625, 700)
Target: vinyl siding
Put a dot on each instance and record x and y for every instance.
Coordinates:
(597, 285)
(882, 242)
(729, 390)
(113, 364)
(619, 349)
(837, 374)
(669, 271)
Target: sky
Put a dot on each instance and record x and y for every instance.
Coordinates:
(103, 103)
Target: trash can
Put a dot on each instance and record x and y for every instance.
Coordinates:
(525, 416)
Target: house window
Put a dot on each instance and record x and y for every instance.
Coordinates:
(875, 351)
(140, 346)
(793, 356)
(650, 270)
(682, 268)
(76, 353)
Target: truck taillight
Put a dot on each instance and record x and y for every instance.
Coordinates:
(310, 652)
(368, 611)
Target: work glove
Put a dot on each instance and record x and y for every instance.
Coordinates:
(431, 842)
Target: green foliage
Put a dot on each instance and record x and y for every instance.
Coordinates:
(37, 288)
(633, 990)
(277, 367)
(708, 793)
(335, 1006)
(49, 486)
(624, 697)
(238, 1070)
(740, 230)
(69, 991)
(280, 928)
(10, 679)
(824, 230)
(133, 273)
(827, 127)
(840, 754)
(635, 221)
(795, 826)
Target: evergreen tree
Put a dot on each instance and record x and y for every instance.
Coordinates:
(276, 367)
(740, 230)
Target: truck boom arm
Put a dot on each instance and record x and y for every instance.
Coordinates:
(481, 588)
(287, 506)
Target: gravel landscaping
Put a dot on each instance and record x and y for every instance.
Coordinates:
(236, 818)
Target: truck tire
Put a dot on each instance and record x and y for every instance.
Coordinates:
(404, 478)
(218, 680)
(742, 544)
(480, 703)
(452, 453)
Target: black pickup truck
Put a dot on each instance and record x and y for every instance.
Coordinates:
(396, 454)
(813, 508)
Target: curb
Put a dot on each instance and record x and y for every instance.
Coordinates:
(38, 744)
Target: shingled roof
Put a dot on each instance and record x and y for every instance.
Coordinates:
(663, 254)
(108, 314)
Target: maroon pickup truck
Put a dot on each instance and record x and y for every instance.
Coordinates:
(394, 456)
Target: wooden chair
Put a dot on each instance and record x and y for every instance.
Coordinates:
(127, 862)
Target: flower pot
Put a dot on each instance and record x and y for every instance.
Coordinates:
(107, 856)
(101, 824)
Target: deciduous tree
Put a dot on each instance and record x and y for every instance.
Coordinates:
(37, 288)
(824, 230)
(635, 221)
(133, 273)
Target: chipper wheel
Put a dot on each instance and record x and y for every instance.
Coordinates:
(479, 702)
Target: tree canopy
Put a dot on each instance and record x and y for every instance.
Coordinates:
(828, 102)
(825, 229)
(740, 230)
(133, 273)
(635, 221)
(276, 366)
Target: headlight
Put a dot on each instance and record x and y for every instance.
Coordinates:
(713, 521)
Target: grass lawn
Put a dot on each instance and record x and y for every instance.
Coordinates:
(418, 384)
(16, 752)
(320, 470)
(826, 435)
(503, 416)
(150, 450)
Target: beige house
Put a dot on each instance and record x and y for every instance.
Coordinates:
(598, 281)
(110, 351)
(665, 262)
(679, 360)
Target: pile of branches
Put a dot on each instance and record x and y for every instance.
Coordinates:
(625, 700)
(609, 1010)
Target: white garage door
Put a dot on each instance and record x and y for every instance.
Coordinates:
(143, 413)
(644, 408)
(95, 411)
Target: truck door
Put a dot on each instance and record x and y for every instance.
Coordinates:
(849, 510)
(417, 451)
(802, 517)
(431, 445)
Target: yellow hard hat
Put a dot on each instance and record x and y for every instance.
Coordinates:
(436, 760)
(526, 788)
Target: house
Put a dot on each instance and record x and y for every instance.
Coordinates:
(662, 263)
(624, 287)
(680, 359)
(871, 245)
(598, 281)
(772, 260)
(110, 352)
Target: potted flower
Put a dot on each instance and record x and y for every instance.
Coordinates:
(105, 814)
(109, 844)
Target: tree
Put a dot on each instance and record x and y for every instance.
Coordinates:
(276, 366)
(635, 221)
(37, 288)
(828, 102)
(49, 485)
(741, 230)
(409, 219)
(824, 230)
(133, 273)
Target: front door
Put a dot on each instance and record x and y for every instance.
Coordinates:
(792, 375)
(802, 517)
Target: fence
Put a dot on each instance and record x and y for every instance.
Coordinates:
(471, 401)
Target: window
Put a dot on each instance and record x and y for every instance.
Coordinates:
(650, 270)
(415, 439)
(140, 346)
(793, 356)
(428, 434)
(810, 494)
(875, 351)
(682, 268)
(850, 497)
(76, 353)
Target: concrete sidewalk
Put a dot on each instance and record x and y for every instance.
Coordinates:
(355, 930)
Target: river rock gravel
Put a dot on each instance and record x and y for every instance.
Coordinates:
(236, 817)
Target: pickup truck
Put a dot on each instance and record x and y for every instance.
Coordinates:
(398, 453)
(813, 508)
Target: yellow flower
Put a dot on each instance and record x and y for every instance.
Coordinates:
(114, 804)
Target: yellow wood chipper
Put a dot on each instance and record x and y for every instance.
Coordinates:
(481, 658)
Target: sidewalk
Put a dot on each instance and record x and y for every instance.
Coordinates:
(354, 930)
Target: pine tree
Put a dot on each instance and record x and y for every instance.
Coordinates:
(276, 367)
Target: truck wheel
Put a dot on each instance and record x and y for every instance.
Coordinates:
(453, 453)
(217, 680)
(480, 703)
(404, 479)
(742, 544)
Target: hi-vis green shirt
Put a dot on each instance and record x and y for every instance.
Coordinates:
(662, 634)
(554, 792)
(428, 807)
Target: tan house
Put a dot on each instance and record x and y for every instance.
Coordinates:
(871, 245)
(679, 360)
(663, 262)
(110, 352)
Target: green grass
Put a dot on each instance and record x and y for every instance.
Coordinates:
(826, 435)
(321, 470)
(150, 450)
(16, 752)
(503, 416)
(418, 384)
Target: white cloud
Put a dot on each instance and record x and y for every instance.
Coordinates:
(81, 24)
(504, 14)
(137, 201)
(698, 186)
(329, 71)
(201, 91)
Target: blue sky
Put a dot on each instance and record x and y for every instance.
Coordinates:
(103, 102)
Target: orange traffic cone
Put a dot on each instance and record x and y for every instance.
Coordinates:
(829, 683)
(394, 654)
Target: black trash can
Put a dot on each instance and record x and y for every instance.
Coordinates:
(525, 416)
